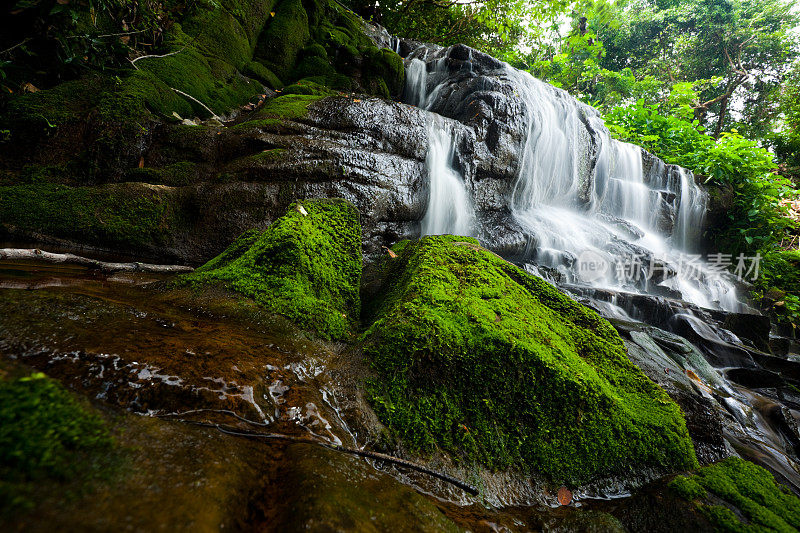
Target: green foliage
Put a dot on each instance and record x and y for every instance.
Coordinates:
(691, 57)
(786, 139)
(48, 41)
(496, 27)
(44, 433)
(758, 220)
(764, 505)
(477, 358)
(304, 267)
(779, 282)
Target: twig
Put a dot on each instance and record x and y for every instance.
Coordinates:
(192, 98)
(337, 448)
(106, 35)
(22, 254)
(16, 45)
(150, 56)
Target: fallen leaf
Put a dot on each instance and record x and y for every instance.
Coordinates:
(302, 210)
(564, 496)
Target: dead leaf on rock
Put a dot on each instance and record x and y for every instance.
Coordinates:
(564, 496)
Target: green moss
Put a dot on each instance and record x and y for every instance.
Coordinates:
(260, 72)
(387, 66)
(319, 85)
(687, 488)
(216, 83)
(288, 107)
(282, 39)
(313, 66)
(743, 486)
(137, 95)
(174, 175)
(478, 358)
(285, 107)
(125, 214)
(304, 267)
(44, 433)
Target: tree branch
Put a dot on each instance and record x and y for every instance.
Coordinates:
(34, 254)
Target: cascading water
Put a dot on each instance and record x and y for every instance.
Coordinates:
(594, 215)
(601, 219)
(449, 206)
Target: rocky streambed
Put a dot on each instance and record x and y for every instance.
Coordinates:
(213, 397)
(153, 364)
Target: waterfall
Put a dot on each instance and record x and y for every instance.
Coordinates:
(595, 217)
(597, 212)
(450, 208)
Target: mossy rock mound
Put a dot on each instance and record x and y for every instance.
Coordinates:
(306, 266)
(483, 361)
(125, 215)
(45, 433)
(736, 495)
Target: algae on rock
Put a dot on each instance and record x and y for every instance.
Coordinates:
(306, 266)
(744, 486)
(475, 357)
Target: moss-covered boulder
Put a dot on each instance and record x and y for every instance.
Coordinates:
(126, 215)
(45, 433)
(736, 495)
(477, 358)
(306, 266)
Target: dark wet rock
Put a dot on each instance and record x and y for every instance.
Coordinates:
(752, 327)
(754, 378)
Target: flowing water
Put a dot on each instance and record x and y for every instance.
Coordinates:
(450, 208)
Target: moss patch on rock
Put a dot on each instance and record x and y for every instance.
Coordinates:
(118, 215)
(738, 485)
(306, 267)
(477, 358)
(45, 432)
